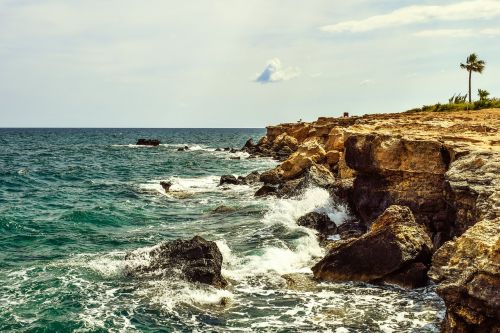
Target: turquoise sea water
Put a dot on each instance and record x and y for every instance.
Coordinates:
(74, 201)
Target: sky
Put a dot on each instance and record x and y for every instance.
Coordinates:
(235, 63)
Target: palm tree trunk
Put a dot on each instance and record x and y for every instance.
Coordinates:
(470, 88)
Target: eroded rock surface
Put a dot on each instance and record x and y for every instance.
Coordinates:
(196, 260)
(391, 248)
(467, 271)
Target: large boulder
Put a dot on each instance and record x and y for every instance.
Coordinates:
(196, 260)
(387, 253)
(148, 142)
(467, 271)
(309, 153)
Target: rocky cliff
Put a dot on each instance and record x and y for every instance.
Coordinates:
(444, 167)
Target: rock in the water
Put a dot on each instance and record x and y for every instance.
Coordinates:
(196, 260)
(248, 145)
(166, 185)
(218, 149)
(270, 177)
(185, 148)
(467, 271)
(252, 178)
(300, 282)
(393, 245)
(228, 179)
(233, 151)
(265, 191)
(235, 158)
(222, 209)
(148, 142)
(319, 222)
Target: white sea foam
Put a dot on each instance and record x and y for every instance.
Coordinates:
(190, 185)
(296, 257)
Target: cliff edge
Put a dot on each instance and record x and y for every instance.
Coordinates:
(443, 166)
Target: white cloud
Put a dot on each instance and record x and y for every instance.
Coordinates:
(366, 82)
(466, 10)
(457, 33)
(274, 72)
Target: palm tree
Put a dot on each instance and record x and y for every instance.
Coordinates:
(473, 64)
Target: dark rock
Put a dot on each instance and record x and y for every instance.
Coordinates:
(218, 149)
(232, 151)
(166, 185)
(291, 188)
(235, 158)
(319, 222)
(266, 190)
(413, 275)
(252, 178)
(248, 145)
(270, 177)
(228, 179)
(227, 149)
(185, 148)
(148, 142)
(196, 260)
(351, 229)
(394, 242)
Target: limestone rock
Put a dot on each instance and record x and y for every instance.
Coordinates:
(467, 271)
(393, 245)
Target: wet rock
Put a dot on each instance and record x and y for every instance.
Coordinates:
(351, 229)
(394, 243)
(227, 149)
(252, 178)
(148, 142)
(185, 148)
(319, 222)
(270, 177)
(249, 145)
(233, 151)
(266, 190)
(228, 179)
(218, 149)
(235, 158)
(196, 260)
(467, 271)
(166, 185)
(222, 209)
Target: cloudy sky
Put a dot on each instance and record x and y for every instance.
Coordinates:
(235, 63)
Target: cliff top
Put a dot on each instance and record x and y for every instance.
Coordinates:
(480, 128)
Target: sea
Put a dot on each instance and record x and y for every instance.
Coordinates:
(74, 202)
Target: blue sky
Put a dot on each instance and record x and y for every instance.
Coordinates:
(235, 63)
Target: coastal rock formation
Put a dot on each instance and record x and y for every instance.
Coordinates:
(443, 166)
(395, 250)
(467, 271)
(148, 142)
(319, 222)
(196, 260)
(393, 170)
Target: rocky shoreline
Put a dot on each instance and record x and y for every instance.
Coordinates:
(424, 193)
(426, 188)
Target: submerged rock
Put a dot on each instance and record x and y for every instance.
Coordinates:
(196, 260)
(185, 148)
(386, 253)
(148, 142)
(467, 271)
(222, 209)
